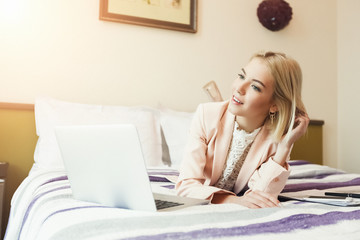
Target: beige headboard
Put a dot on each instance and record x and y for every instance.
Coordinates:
(18, 139)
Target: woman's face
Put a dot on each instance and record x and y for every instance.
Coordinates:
(252, 92)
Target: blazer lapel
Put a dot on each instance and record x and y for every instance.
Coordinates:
(225, 132)
(253, 159)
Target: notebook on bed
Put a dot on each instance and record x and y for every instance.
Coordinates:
(105, 165)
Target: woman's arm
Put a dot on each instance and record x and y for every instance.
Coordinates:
(285, 145)
(254, 199)
(192, 178)
(272, 175)
(196, 170)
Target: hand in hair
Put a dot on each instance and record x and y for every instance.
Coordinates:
(300, 127)
(285, 145)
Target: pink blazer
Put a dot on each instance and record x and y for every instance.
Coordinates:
(205, 155)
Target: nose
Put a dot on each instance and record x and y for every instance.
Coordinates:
(241, 88)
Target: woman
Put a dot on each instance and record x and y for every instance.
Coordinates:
(246, 141)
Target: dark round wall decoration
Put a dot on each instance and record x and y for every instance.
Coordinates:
(274, 14)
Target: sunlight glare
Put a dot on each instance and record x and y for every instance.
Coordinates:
(11, 10)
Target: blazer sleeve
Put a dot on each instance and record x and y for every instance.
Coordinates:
(192, 181)
(270, 177)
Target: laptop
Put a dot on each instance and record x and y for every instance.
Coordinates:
(105, 165)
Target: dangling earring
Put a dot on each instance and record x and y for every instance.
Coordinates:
(272, 117)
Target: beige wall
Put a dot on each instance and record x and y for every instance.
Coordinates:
(61, 49)
(348, 84)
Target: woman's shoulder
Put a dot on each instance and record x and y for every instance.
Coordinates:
(213, 114)
(214, 108)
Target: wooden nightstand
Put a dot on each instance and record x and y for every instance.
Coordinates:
(3, 173)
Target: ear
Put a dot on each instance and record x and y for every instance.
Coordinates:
(273, 108)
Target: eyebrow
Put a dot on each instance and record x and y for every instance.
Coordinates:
(255, 80)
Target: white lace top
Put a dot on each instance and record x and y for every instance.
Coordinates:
(239, 148)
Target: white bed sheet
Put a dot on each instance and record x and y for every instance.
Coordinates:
(43, 208)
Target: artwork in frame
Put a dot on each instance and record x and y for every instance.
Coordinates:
(180, 15)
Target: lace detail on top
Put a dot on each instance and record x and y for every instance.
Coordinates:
(240, 145)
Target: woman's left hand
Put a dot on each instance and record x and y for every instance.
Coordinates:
(285, 145)
(300, 127)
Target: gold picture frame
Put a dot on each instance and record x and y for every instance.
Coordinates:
(180, 15)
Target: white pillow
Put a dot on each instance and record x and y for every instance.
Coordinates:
(175, 126)
(50, 113)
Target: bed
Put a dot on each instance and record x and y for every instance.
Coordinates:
(43, 208)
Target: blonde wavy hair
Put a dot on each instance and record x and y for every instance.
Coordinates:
(287, 92)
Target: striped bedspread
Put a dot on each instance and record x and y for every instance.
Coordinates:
(43, 208)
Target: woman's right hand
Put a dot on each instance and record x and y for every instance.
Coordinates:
(252, 199)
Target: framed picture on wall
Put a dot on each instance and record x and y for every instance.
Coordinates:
(180, 15)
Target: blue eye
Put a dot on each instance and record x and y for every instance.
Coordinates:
(256, 88)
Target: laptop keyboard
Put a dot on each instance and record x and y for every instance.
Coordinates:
(161, 204)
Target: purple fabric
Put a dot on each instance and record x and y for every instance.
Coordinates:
(322, 176)
(61, 178)
(36, 198)
(319, 176)
(298, 162)
(320, 186)
(152, 178)
(158, 179)
(169, 173)
(71, 209)
(288, 224)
